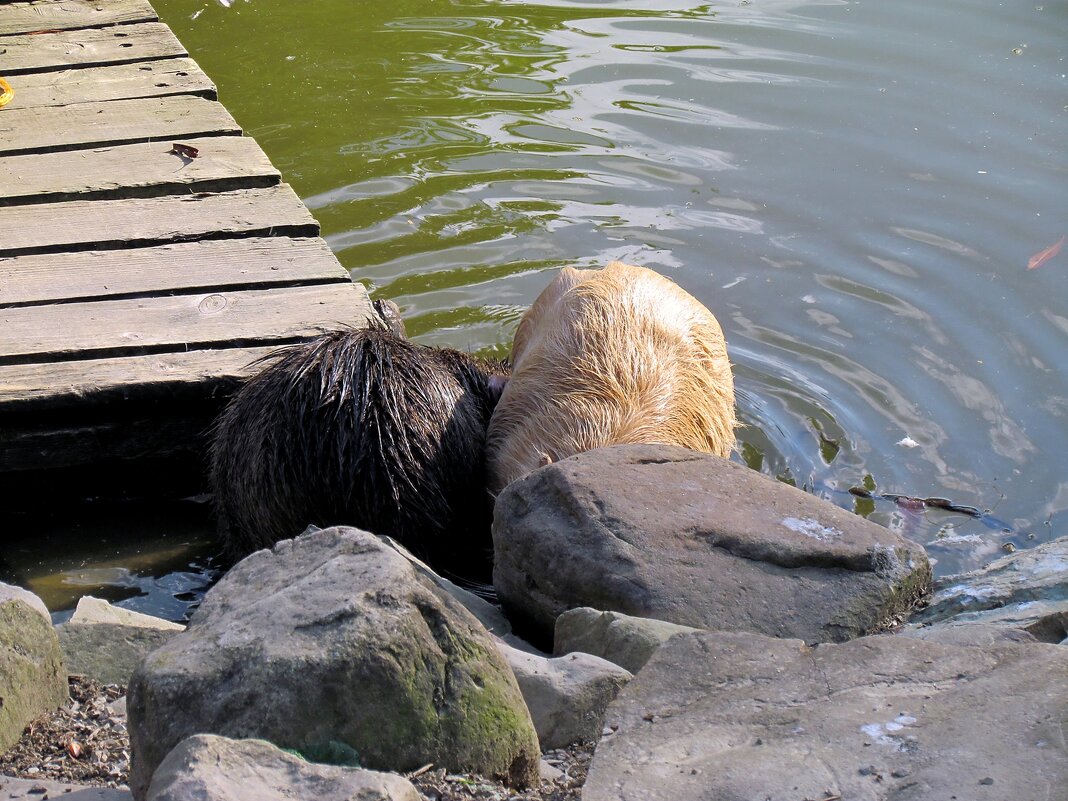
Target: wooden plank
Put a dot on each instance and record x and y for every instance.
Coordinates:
(25, 387)
(87, 48)
(109, 328)
(49, 128)
(94, 224)
(183, 267)
(173, 76)
(68, 14)
(65, 444)
(141, 170)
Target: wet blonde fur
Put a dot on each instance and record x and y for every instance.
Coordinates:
(609, 357)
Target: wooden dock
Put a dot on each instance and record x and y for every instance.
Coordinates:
(137, 283)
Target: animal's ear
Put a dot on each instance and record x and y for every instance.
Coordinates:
(389, 314)
(495, 385)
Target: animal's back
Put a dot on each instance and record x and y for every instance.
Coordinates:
(359, 427)
(614, 356)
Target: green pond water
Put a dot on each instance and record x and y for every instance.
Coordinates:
(853, 188)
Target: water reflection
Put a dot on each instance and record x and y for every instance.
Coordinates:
(153, 556)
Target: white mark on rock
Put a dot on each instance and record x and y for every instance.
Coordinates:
(1047, 565)
(908, 442)
(966, 593)
(884, 733)
(812, 528)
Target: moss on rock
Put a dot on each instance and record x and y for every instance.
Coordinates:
(32, 677)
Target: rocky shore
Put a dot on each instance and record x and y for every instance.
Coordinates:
(674, 626)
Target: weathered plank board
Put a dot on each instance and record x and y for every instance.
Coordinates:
(88, 224)
(182, 267)
(48, 128)
(87, 48)
(34, 387)
(67, 14)
(89, 443)
(174, 76)
(150, 168)
(115, 327)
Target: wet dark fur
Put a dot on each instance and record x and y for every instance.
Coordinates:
(362, 428)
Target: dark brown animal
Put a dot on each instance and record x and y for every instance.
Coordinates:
(361, 427)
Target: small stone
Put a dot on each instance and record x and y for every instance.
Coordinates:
(549, 773)
(118, 707)
(986, 781)
(626, 640)
(566, 696)
(900, 773)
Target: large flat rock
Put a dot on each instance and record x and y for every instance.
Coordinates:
(717, 716)
(693, 539)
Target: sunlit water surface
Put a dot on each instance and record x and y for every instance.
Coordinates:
(853, 188)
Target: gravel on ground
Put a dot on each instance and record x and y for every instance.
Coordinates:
(86, 742)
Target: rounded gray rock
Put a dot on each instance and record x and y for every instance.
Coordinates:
(333, 643)
(33, 679)
(663, 532)
(207, 766)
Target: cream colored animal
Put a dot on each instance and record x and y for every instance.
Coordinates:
(610, 357)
